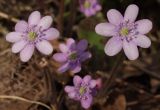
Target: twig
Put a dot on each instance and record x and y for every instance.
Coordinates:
(50, 89)
(4, 52)
(6, 16)
(25, 100)
(150, 73)
(118, 80)
(133, 103)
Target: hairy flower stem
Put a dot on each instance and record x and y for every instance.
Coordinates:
(51, 94)
(72, 17)
(113, 73)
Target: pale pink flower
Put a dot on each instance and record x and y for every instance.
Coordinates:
(83, 90)
(89, 7)
(125, 31)
(31, 35)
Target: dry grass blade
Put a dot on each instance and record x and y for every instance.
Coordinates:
(6, 16)
(25, 100)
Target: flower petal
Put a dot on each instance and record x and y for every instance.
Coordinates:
(69, 89)
(76, 69)
(60, 57)
(93, 83)
(88, 12)
(98, 83)
(34, 18)
(82, 45)
(105, 29)
(77, 80)
(113, 46)
(63, 48)
(64, 68)
(51, 34)
(114, 16)
(98, 7)
(131, 50)
(70, 41)
(21, 26)
(86, 103)
(87, 78)
(131, 13)
(144, 26)
(44, 47)
(27, 53)
(13, 37)
(142, 41)
(45, 22)
(18, 46)
(72, 95)
(84, 56)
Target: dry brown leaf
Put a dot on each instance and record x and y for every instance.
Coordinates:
(119, 104)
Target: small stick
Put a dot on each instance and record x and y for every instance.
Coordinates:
(118, 80)
(6, 16)
(5, 52)
(25, 100)
(144, 69)
(156, 97)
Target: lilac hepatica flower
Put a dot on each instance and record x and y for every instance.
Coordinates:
(89, 7)
(127, 33)
(72, 55)
(35, 33)
(82, 90)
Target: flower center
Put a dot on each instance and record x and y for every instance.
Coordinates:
(73, 56)
(82, 90)
(32, 36)
(87, 4)
(124, 31)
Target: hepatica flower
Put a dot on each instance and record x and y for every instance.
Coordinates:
(89, 7)
(125, 31)
(83, 90)
(72, 55)
(31, 35)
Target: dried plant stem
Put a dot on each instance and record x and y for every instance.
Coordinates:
(130, 85)
(5, 52)
(60, 16)
(150, 73)
(144, 101)
(113, 73)
(6, 16)
(25, 100)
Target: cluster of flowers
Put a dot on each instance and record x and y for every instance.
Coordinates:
(125, 32)
(89, 7)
